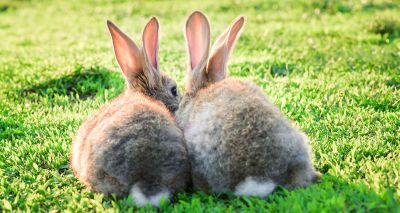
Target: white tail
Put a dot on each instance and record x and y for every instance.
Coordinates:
(141, 199)
(251, 187)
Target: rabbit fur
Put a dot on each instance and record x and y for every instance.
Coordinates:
(236, 138)
(132, 145)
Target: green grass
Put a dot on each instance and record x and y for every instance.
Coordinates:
(332, 66)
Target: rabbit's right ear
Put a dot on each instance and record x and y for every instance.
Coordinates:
(198, 42)
(150, 52)
(217, 64)
(126, 52)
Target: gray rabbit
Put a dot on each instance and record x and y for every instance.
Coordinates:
(132, 144)
(237, 139)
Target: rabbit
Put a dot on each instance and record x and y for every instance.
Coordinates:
(133, 145)
(237, 140)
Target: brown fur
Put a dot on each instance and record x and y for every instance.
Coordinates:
(134, 140)
(141, 126)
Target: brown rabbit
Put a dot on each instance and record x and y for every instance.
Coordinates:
(133, 145)
(237, 139)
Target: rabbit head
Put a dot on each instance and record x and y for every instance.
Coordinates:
(205, 68)
(140, 67)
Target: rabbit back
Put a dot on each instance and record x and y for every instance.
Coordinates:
(237, 138)
(132, 144)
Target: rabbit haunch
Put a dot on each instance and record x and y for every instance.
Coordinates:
(237, 139)
(132, 145)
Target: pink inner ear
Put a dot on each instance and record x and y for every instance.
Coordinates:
(126, 52)
(150, 41)
(217, 64)
(122, 50)
(219, 58)
(197, 36)
(234, 31)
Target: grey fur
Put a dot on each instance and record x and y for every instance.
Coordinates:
(234, 132)
(134, 140)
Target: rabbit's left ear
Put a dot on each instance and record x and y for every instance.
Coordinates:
(217, 64)
(197, 33)
(126, 53)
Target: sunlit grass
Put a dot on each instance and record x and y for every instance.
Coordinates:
(331, 66)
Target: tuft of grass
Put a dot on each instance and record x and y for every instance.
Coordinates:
(332, 6)
(314, 59)
(386, 27)
(379, 5)
(11, 5)
(394, 82)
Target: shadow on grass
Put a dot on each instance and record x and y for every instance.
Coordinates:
(82, 84)
(331, 194)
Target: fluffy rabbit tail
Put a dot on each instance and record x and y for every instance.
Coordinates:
(141, 196)
(253, 187)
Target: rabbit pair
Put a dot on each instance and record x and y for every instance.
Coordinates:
(237, 140)
(233, 138)
(132, 145)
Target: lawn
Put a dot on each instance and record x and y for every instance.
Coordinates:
(331, 66)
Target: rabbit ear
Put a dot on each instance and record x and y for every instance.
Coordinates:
(150, 42)
(150, 50)
(198, 42)
(126, 52)
(217, 64)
